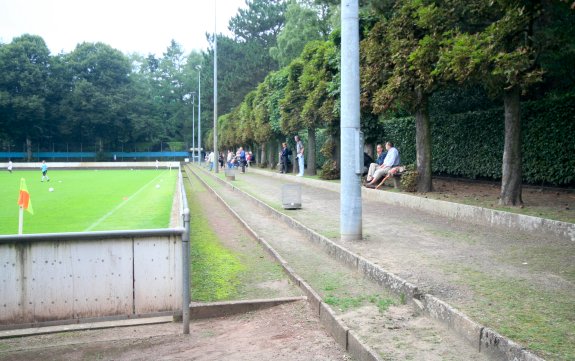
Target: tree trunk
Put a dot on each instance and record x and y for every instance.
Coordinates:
(271, 157)
(311, 168)
(423, 145)
(263, 154)
(511, 172)
(29, 148)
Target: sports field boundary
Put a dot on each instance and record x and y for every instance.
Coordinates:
(484, 339)
(91, 165)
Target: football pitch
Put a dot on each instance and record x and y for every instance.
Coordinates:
(88, 200)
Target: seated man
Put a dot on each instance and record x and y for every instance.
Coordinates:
(373, 166)
(391, 160)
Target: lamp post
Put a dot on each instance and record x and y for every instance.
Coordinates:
(350, 196)
(199, 69)
(216, 154)
(193, 125)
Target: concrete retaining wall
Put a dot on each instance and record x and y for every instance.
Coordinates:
(75, 276)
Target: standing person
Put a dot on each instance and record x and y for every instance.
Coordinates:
(221, 160)
(249, 159)
(229, 158)
(157, 164)
(391, 160)
(284, 158)
(45, 171)
(10, 165)
(211, 160)
(379, 161)
(242, 159)
(299, 155)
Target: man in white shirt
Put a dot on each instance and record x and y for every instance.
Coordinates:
(391, 160)
(211, 159)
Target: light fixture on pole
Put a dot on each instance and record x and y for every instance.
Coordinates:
(199, 69)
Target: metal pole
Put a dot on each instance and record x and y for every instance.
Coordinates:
(216, 163)
(193, 127)
(350, 196)
(199, 68)
(186, 271)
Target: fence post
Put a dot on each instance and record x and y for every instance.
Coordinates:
(186, 271)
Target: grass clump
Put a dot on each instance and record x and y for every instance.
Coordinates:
(540, 319)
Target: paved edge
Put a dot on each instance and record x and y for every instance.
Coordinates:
(482, 338)
(85, 326)
(462, 212)
(200, 310)
(334, 326)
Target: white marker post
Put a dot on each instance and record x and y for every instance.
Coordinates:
(20, 220)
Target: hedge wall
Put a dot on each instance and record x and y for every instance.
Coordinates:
(471, 144)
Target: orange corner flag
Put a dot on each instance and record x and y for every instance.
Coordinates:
(24, 197)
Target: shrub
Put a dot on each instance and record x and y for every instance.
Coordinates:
(409, 179)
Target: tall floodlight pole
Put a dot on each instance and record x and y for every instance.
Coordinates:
(199, 69)
(193, 125)
(216, 154)
(350, 196)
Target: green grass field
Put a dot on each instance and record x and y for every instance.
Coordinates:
(88, 200)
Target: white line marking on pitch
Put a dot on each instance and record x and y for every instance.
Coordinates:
(105, 216)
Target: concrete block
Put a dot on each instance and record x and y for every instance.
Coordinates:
(334, 326)
(220, 309)
(359, 350)
(341, 254)
(455, 320)
(386, 279)
(313, 298)
(501, 348)
(292, 275)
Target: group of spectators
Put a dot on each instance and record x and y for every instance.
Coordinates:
(383, 166)
(285, 153)
(239, 159)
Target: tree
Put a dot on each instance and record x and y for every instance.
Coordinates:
(320, 59)
(302, 26)
(24, 73)
(398, 59)
(505, 56)
(260, 22)
(93, 108)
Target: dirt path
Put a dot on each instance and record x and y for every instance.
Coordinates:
(283, 333)
(516, 282)
(388, 326)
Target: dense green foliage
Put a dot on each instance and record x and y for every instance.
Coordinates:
(470, 144)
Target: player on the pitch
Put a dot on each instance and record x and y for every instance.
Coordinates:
(45, 171)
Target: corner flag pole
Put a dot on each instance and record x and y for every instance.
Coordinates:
(20, 220)
(24, 202)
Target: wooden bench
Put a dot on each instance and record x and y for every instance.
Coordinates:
(395, 174)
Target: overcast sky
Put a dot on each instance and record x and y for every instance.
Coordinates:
(141, 26)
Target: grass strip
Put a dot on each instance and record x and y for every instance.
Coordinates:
(214, 269)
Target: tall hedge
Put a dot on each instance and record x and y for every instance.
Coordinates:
(471, 144)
